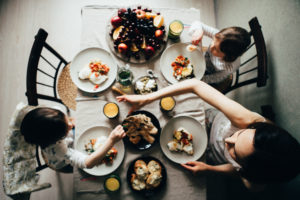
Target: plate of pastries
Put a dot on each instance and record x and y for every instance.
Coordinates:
(142, 129)
(146, 175)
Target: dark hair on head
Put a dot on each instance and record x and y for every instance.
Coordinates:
(233, 42)
(276, 155)
(44, 126)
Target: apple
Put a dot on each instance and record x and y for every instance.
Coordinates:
(149, 50)
(121, 12)
(159, 34)
(122, 48)
(116, 21)
(140, 14)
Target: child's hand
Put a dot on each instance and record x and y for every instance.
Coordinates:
(71, 123)
(117, 134)
(196, 166)
(197, 37)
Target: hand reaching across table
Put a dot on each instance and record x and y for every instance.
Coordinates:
(117, 134)
(196, 167)
(137, 101)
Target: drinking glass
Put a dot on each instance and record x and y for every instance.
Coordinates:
(125, 77)
(175, 30)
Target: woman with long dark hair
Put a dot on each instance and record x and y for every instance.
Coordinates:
(242, 142)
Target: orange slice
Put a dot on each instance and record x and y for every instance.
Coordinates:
(134, 48)
(158, 21)
(117, 32)
(143, 46)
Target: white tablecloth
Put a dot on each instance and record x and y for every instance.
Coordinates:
(180, 184)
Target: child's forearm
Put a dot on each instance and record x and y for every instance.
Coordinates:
(99, 154)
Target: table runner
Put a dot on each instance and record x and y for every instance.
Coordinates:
(181, 184)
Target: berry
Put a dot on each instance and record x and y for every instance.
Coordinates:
(137, 56)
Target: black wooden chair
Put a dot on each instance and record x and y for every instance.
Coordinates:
(49, 69)
(237, 80)
(43, 69)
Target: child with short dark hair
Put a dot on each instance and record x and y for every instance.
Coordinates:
(223, 55)
(50, 129)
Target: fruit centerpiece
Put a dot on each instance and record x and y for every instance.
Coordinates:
(137, 34)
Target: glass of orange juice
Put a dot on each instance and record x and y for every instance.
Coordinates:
(167, 104)
(111, 110)
(112, 184)
(175, 30)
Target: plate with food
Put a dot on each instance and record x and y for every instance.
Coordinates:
(146, 175)
(91, 140)
(145, 85)
(93, 70)
(142, 129)
(179, 63)
(136, 34)
(183, 139)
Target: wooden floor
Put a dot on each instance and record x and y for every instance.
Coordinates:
(19, 22)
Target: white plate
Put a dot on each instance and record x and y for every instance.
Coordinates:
(83, 58)
(102, 169)
(196, 59)
(193, 127)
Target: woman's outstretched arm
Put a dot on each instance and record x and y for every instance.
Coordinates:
(236, 113)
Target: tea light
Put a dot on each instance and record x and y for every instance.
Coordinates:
(111, 110)
(167, 104)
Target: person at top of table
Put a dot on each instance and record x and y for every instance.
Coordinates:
(51, 130)
(242, 143)
(223, 55)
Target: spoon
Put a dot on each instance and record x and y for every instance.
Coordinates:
(151, 73)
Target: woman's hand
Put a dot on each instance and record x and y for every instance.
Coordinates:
(197, 37)
(196, 166)
(137, 101)
(117, 134)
